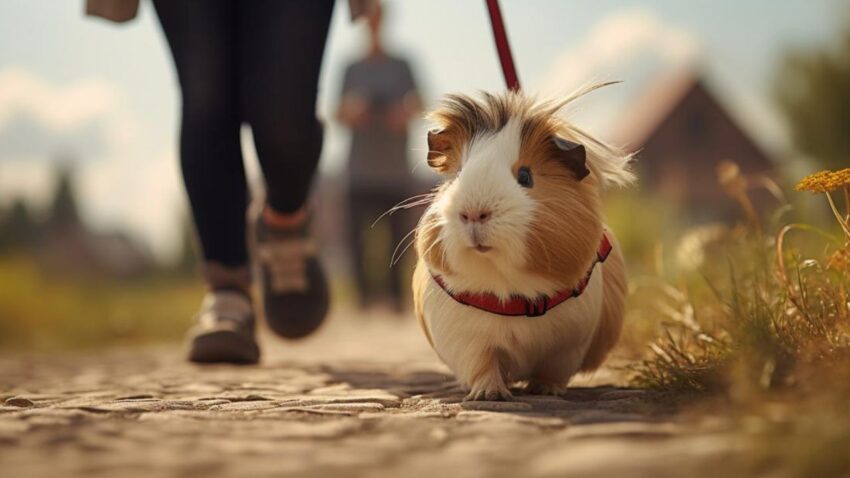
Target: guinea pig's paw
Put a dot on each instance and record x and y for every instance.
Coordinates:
(490, 391)
(541, 388)
(495, 395)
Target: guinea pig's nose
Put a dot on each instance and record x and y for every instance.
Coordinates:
(480, 216)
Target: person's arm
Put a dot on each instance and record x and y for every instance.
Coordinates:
(353, 110)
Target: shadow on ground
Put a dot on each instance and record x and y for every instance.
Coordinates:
(579, 405)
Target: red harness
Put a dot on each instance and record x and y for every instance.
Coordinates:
(518, 306)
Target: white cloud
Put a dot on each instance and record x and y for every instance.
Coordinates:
(620, 40)
(58, 108)
(38, 119)
(630, 45)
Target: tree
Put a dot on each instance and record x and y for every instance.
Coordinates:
(18, 229)
(812, 89)
(63, 211)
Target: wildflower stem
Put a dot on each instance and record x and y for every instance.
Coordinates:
(838, 215)
(750, 212)
(780, 260)
(780, 253)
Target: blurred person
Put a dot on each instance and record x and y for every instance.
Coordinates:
(379, 99)
(254, 62)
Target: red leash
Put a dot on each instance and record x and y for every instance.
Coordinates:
(502, 45)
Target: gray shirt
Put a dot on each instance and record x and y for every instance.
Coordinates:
(378, 155)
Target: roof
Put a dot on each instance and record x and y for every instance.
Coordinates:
(643, 119)
(652, 108)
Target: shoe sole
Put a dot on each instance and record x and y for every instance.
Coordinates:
(223, 346)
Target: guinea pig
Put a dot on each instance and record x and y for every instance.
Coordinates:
(518, 279)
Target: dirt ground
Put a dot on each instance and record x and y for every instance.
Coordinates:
(364, 397)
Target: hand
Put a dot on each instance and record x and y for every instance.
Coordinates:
(397, 118)
(354, 111)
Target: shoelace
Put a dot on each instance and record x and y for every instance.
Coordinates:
(223, 306)
(285, 260)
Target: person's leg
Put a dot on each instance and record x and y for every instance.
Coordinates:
(366, 207)
(282, 46)
(202, 37)
(282, 42)
(359, 212)
(400, 226)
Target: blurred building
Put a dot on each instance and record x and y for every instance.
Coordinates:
(681, 132)
(63, 244)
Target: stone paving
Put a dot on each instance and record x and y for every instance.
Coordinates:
(364, 397)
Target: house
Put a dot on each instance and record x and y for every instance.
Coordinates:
(680, 132)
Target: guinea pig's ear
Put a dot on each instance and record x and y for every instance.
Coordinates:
(439, 145)
(573, 156)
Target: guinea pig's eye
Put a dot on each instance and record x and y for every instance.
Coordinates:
(523, 177)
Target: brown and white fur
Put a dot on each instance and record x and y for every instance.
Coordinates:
(485, 233)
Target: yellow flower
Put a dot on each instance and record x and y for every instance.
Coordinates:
(825, 181)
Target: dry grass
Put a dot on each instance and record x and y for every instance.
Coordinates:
(39, 311)
(761, 326)
(761, 313)
(753, 327)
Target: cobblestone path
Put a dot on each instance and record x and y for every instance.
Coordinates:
(365, 397)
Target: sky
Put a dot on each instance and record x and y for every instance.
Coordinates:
(103, 97)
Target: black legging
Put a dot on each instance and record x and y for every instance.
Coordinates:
(251, 61)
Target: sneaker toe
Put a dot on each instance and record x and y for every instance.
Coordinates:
(223, 346)
(297, 315)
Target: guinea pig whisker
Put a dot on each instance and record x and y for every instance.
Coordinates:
(412, 198)
(418, 200)
(426, 228)
(412, 242)
(393, 260)
(436, 241)
(406, 206)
